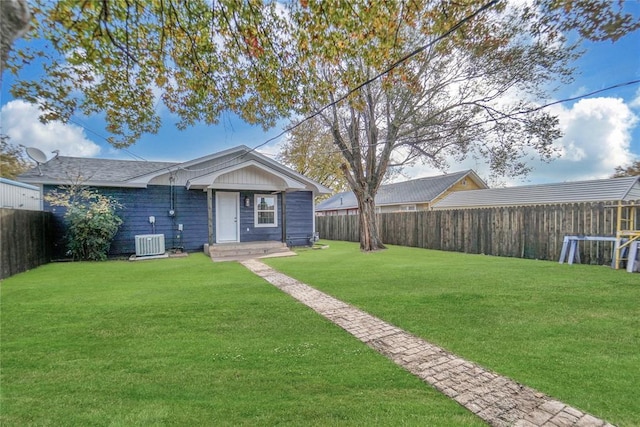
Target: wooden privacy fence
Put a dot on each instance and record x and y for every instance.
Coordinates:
(523, 231)
(25, 240)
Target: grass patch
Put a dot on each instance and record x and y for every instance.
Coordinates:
(572, 332)
(189, 342)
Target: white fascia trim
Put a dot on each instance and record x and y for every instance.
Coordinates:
(317, 188)
(214, 156)
(239, 187)
(18, 184)
(444, 192)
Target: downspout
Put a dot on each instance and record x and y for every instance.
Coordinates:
(284, 216)
(210, 215)
(313, 213)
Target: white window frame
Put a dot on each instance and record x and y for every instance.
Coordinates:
(256, 210)
(408, 208)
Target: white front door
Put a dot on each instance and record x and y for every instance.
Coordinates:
(227, 218)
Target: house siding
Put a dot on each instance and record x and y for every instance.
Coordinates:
(248, 231)
(190, 207)
(138, 204)
(299, 223)
(299, 218)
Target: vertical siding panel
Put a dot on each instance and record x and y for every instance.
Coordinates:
(299, 218)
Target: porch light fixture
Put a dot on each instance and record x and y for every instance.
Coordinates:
(247, 201)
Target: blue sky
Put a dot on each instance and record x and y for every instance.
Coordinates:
(601, 132)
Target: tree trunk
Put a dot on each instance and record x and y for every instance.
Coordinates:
(369, 236)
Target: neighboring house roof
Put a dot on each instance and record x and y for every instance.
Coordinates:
(18, 195)
(18, 184)
(421, 190)
(602, 190)
(202, 172)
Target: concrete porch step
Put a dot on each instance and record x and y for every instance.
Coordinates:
(248, 250)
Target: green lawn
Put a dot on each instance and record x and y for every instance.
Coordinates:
(189, 342)
(572, 332)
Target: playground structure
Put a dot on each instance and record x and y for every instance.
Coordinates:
(626, 243)
(627, 235)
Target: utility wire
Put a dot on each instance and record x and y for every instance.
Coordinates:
(416, 52)
(406, 58)
(135, 156)
(349, 92)
(575, 98)
(382, 73)
(358, 87)
(378, 76)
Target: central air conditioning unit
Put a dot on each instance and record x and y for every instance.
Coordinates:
(149, 244)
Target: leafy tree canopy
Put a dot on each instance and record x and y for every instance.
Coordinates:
(443, 77)
(632, 170)
(309, 150)
(258, 59)
(12, 161)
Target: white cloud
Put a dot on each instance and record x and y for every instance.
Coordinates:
(597, 138)
(271, 150)
(20, 122)
(635, 102)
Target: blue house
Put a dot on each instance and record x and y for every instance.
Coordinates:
(234, 196)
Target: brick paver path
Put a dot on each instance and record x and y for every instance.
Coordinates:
(498, 400)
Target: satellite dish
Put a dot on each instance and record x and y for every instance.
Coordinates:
(36, 155)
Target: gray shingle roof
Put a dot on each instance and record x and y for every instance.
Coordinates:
(70, 169)
(138, 174)
(613, 189)
(422, 190)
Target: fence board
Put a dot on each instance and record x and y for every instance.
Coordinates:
(534, 232)
(25, 240)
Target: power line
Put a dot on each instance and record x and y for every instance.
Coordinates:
(390, 68)
(346, 95)
(575, 98)
(360, 86)
(561, 101)
(135, 156)
(416, 52)
(382, 73)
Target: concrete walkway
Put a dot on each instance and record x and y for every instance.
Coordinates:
(498, 400)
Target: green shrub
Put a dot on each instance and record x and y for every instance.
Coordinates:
(91, 220)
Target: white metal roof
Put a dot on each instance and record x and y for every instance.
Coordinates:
(602, 190)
